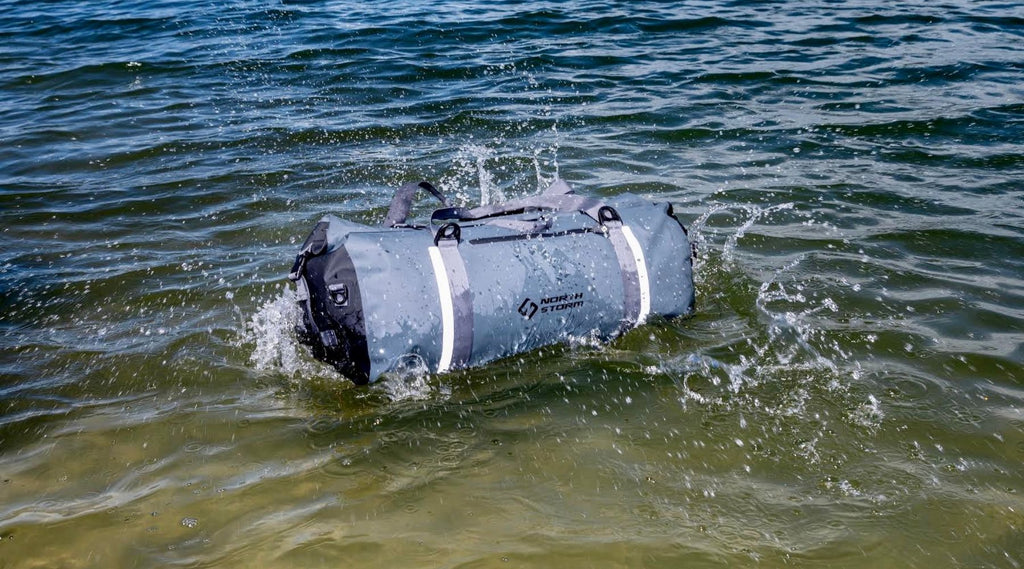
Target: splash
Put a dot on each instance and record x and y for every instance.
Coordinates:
(495, 168)
(489, 191)
(408, 381)
(471, 166)
(754, 213)
(275, 347)
(411, 386)
(792, 328)
(538, 162)
(785, 363)
(699, 239)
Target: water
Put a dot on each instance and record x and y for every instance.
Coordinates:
(848, 393)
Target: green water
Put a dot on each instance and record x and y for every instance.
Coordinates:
(848, 393)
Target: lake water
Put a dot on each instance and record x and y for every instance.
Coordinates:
(850, 392)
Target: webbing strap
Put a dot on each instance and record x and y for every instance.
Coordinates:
(643, 279)
(456, 300)
(636, 286)
(630, 278)
(521, 225)
(401, 203)
(568, 202)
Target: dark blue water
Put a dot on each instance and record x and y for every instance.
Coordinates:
(849, 392)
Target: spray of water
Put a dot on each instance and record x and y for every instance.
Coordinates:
(787, 365)
(410, 381)
(275, 348)
(753, 214)
(499, 172)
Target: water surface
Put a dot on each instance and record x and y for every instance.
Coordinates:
(848, 394)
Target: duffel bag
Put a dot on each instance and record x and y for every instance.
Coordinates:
(478, 284)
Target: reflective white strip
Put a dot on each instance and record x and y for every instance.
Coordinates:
(641, 274)
(444, 292)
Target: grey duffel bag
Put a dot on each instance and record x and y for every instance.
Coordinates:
(478, 284)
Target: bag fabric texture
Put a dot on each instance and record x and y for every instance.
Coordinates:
(479, 284)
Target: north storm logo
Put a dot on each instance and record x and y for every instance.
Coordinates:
(528, 308)
(549, 304)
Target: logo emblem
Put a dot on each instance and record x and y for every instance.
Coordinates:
(528, 308)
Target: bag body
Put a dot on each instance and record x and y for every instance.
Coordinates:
(480, 284)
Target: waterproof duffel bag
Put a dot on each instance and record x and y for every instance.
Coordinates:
(478, 284)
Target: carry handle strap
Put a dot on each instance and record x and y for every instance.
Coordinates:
(543, 202)
(401, 203)
(559, 196)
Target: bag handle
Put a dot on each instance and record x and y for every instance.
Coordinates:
(401, 203)
(559, 196)
(543, 202)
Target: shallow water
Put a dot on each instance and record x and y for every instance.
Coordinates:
(848, 393)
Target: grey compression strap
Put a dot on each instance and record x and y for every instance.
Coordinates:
(455, 297)
(636, 292)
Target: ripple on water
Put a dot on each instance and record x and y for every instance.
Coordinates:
(909, 390)
(854, 198)
(341, 467)
(194, 446)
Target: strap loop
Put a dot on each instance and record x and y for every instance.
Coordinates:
(448, 232)
(607, 214)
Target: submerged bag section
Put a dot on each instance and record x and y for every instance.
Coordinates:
(483, 283)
